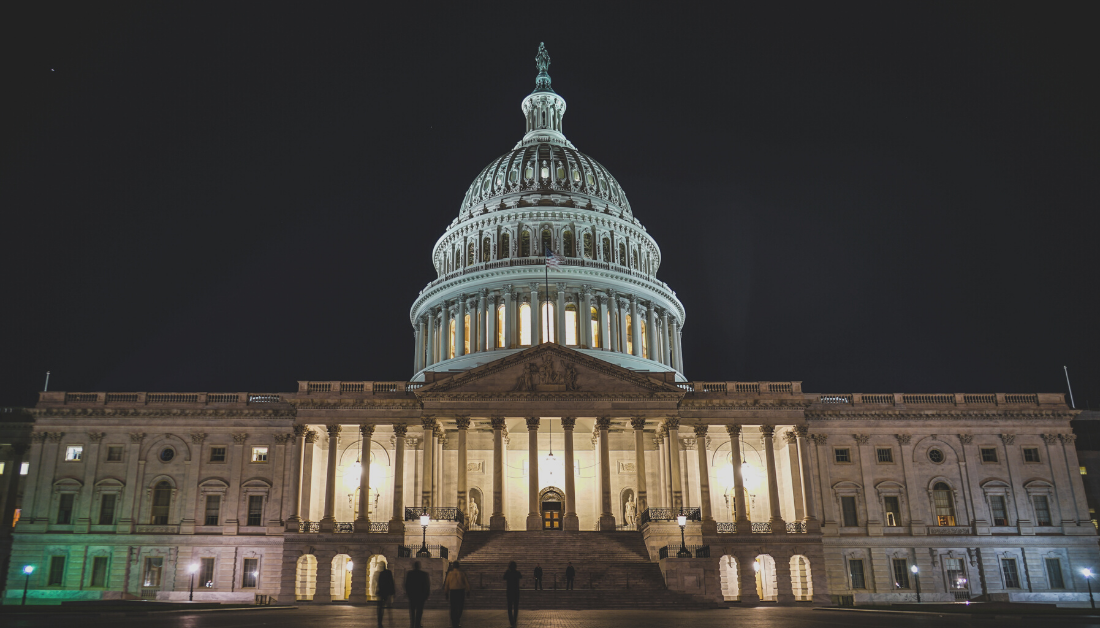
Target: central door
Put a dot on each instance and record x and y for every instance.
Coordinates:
(552, 502)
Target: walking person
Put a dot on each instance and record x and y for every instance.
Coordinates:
(538, 577)
(454, 589)
(511, 579)
(385, 590)
(418, 586)
(570, 573)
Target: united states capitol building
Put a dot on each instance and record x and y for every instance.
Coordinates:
(549, 404)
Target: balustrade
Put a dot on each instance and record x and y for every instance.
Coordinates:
(436, 514)
(344, 527)
(667, 514)
(436, 551)
(671, 551)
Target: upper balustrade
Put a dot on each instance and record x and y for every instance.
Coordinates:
(59, 398)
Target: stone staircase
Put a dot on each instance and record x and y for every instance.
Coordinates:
(613, 571)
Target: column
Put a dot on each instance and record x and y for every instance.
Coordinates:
(292, 507)
(438, 499)
(586, 317)
(635, 327)
(651, 332)
(571, 521)
(305, 500)
(679, 347)
(666, 358)
(666, 465)
(238, 461)
(328, 521)
(796, 475)
(607, 516)
(912, 488)
(12, 489)
(536, 314)
(642, 502)
(534, 517)
(776, 521)
(560, 315)
(82, 511)
(743, 524)
(509, 318)
(483, 338)
(429, 353)
(603, 323)
(1073, 465)
(491, 324)
(621, 310)
(674, 338)
(673, 424)
(460, 326)
(418, 336)
(613, 321)
(704, 473)
(746, 577)
(397, 518)
(428, 423)
(366, 433)
(445, 332)
(463, 423)
(497, 521)
(808, 494)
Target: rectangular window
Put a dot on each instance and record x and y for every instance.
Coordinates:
(3, 465)
(259, 454)
(570, 326)
(956, 577)
(842, 454)
(213, 509)
(107, 508)
(893, 510)
(1054, 573)
(99, 572)
(65, 508)
(1000, 512)
(1083, 470)
(1042, 510)
(57, 571)
(855, 567)
(1031, 454)
(989, 454)
(848, 505)
(114, 453)
(217, 454)
(1012, 578)
(251, 573)
(206, 573)
(73, 453)
(901, 573)
(153, 569)
(24, 468)
(255, 510)
(884, 454)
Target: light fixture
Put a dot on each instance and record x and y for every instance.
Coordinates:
(681, 521)
(27, 571)
(756, 565)
(349, 566)
(914, 569)
(423, 552)
(1087, 573)
(916, 579)
(192, 568)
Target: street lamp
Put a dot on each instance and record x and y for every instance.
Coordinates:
(916, 578)
(423, 551)
(192, 568)
(1087, 573)
(27, 571)
(682, 520)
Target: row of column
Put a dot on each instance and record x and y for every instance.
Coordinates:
(433, 336)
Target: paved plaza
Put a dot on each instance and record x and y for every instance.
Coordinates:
(363, 617)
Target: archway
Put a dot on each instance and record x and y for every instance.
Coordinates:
(801, 582)
(305, 577)
(765, 578)
(727, 570)
(552, 505)
(341, 577)
(377, 563)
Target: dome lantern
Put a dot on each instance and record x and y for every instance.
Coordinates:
(543, 108)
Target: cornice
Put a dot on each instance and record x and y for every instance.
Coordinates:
(938, 415)
(161, 412)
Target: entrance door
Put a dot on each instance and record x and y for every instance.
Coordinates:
(551, 515)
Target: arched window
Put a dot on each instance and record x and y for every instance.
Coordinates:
(500, 326)
(571, 324)
(505, 250)
(547, 242)
(567, 244)
(548, 331)
(451, 340)
(634, 258)
(607, 250)
(629, 334)
(523, 326)
(945, 504)
(595, 329)
(645, 341)
(458, 260)
(486, 254)
(525, 244)
(588, 245)
(162, 500)
(471, 254)
(622, 254)
(466, 334)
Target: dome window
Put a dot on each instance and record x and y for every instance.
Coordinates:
(591, 179)
(567, 245)
(530, 172)
(576, 175)
(561, 172)
(485, 186)
(603, 186)
(513, 176)
(500, 180)
(588, 245)
(545, 171)
(525, 244)
(547, 243)
(504, 250)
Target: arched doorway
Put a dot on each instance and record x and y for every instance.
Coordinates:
(341, 577)
(552, 504)
(377, 563)
(727, 570)
(765, 578)
(305, 577)
(801, 582)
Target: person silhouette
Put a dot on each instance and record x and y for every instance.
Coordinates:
(418, 586)
(511, 579)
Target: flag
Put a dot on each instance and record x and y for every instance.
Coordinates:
(553, 260)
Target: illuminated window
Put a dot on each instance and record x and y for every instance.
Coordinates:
(548, 328)
(945, 504)
(645, 341)
(571, 324)
(114, 453)
(154, 567)
(3, 465)
(162, 500)
(451, 340)
(217, 454)
(503, 251)
(73, 453)
(259, 454)
(893, 510)
(622, 254)
(525, 244)
(24, 468)
(629, 334)
(595, 328)
(576, 175)
(524, 324)
(471, 254)
(500, 326)
(567, 244)
(1083, 470)
(206, 573)
(251, 573)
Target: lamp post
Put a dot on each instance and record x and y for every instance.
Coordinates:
(682, 520)
(423, 551)
(916, 578)
(27, 571)
(192, 568)
(1088, 580)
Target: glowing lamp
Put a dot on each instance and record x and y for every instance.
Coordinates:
(756, 566)
(348, 566)
(1086, 573)
(914, 569)
(352, 475)
(681, 520)
(29, 569)
(192, 568)
(424, 520)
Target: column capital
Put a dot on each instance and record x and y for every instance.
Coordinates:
(586, 290)
(734, 430)
(333, 430)
(535, 286)
(507, 288)
(400, 430)
(672, 422)
(484, 293)
(821, 439)
(560, 286)
(1069, 437)
(428, 422)
(241, 437)
(532, 423)
(462, 422)
(300, 430)
(603, 422)
(497, 422)
(802, 430)
(768, 431)
(98, 436)
(1008, 438)
(367, 430)
(903, 439)
(790, 436)
(311, 436)
(862, 439)
(701, 430)
(638, 423)
(568, 422)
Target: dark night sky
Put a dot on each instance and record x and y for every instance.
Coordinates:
(231, 197)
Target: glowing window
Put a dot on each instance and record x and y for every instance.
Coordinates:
(545, 171)
(591, 179)
(513, 176)
(548, 330)
(259, 454)
(466, 334)
(595, 329)
(571, 325)
(524, 326)
(561, 171)
(451, 341)
(24, 468)
(645, 341)
(1083, 470)
(73, 453)
(945, 504)
(629, 335)
(500, 326)
(530, 172)
(576, 175)
(162, 500)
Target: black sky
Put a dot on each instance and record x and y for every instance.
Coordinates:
(868, 198)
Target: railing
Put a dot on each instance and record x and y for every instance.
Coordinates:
(353, 387)
(411, 386)
(672, 551)
(539, 260)
(886, 399)
(379, 527)
(344, 527)
(1022, 399)
(222, 398)
(436, 551)
(149, 593)
(938, 399)
(81, 398)
(796, 527)
(122, 398)
(172, 398)
(761, 527)
(979, 398)
(727, 527)
(835, 399)
(359, 387)
(264, 399)
(437, 514)
(384, 387)
(667, 514)
(309, 526)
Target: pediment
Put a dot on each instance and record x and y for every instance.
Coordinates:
(550, 369)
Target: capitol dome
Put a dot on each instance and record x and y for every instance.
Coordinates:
(494, 293)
